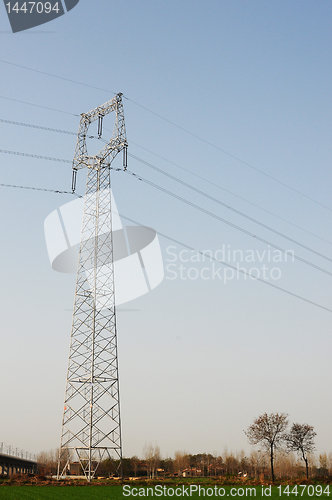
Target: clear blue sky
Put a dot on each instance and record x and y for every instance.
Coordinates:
(199, 359)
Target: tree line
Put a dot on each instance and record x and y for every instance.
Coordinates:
(254, 465)
(284, 452)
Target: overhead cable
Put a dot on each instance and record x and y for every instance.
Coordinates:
(38, 106)
(161, 171)
(57, 191)
(193, 205)
(177, 126)
(200, 208)
(56, 76)
(229, 154)
(265, 226)
(201, 252)
(34, 156)
(189, 247)
(231, 192)
(38, 127)
(211, 214)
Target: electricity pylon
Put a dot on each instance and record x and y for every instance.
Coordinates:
(91, 427)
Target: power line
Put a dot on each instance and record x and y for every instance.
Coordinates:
(37, 127)
(229, 154)
(242, 230)
(56, 76)
(190, 248)
(265, 226)
(177, 126)
(57, 191)
(195, 206)
(232, 267)
(34, 156)
(231, 192)
(38, 106)
(178, 180)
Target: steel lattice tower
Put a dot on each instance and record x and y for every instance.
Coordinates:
(91, 427)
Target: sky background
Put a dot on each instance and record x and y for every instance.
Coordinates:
(199, 359)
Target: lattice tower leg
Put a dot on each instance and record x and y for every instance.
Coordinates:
(91, 426)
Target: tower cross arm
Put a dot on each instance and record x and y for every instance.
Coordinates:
(114, 146)
(103, 109)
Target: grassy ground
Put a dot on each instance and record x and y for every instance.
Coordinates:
(110, 492)
(61, 493)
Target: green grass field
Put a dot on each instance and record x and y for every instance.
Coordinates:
(117, 492)
(60, 492)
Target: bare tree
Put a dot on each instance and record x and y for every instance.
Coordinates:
(181, 462)
(152, 457)
(285, 464)
(269, 431)
(258, 462)
(231, 463)
(323, 461)
(301, 439)
(47, 462)
(135, 463)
